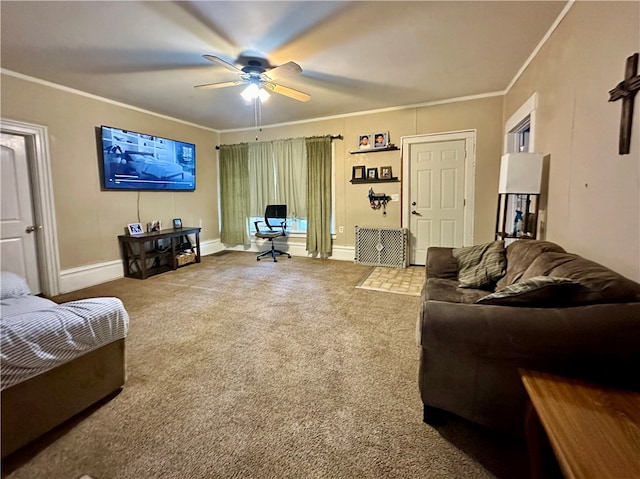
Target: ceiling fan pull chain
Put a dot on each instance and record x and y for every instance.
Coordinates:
(255, 113)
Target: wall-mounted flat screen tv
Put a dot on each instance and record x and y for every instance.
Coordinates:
(136, 161)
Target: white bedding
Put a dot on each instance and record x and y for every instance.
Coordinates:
(42, 335)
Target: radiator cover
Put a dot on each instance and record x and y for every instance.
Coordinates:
(382, 246)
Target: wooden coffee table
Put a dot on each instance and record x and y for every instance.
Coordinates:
(594, 430)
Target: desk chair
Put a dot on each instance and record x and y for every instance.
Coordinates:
(273, 214)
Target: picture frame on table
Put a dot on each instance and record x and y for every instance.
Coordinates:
(177, 223)
(372, 173)
(385, 173)
(154, 226)
(358, 173)
(381, 139)
(135, 228)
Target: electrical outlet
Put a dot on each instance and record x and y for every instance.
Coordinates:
(340, 229)
(395, 197)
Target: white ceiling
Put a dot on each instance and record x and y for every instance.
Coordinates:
(355, 56)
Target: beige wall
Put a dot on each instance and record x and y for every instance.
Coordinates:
(352, 205)
(88, 219)
(71, 120)
(594, 193)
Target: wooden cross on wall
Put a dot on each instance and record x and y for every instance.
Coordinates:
(627, 90)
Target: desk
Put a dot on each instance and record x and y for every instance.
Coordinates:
(594, 430)
(135, 257)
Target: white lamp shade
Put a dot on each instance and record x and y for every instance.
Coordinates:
(520, 173)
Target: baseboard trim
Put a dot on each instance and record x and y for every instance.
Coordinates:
(73, 279)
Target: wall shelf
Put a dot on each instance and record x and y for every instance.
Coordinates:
(377, 180)
(374, 150)
(528, 205)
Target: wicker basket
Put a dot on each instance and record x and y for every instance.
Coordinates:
(185, 258)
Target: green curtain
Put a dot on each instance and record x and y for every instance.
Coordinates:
(234, 194)
(261, 173)
(319, 195)
(291, 165)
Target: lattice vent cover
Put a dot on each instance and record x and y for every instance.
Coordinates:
(381, 246)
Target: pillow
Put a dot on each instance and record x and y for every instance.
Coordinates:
(539, 291)
(480, 266)
(598, 283)
(13, 285)
(520, 254)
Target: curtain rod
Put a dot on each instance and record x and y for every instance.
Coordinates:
(333, 137)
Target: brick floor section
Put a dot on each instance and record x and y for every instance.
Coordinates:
(395, 280)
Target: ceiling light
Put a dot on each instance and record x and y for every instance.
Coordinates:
(263, 94)
(253, 91)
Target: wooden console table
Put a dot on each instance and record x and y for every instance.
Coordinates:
(594, 431)
(135, 257)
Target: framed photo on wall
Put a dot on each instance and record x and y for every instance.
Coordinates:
(385, 172)
(358, 173)
(365, 141)
(135, 228)
(372, 173)
(381, 140)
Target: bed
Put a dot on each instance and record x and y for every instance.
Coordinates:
(55, 359)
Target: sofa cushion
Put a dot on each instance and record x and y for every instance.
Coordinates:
(539, 292)
(598, 284)
(439, 289)
(480, 266)
(13, 285)
(520, 254)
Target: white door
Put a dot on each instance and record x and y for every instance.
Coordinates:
(18, 231)
(436, 195)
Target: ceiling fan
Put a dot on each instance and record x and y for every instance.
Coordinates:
(259, 76)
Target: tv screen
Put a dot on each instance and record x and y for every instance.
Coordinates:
(136, 161)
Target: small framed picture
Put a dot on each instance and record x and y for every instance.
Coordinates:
(154, 226)
(365, 141)
(177, 223)
(381, 140)
(135, 228)
(385, 172)
(372, 173)
(358, 173)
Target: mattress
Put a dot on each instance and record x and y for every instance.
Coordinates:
(41, 335)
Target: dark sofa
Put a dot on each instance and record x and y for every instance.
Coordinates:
(585, 322)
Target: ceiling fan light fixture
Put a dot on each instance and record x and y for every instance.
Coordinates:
(253, 91)
(263, 94)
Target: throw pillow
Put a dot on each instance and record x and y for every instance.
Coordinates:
(539, 291)
(480, 266)
(13, 285)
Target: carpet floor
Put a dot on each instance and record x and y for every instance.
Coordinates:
(246, 369)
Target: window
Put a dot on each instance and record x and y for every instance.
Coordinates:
(278, 175)
(254, 175)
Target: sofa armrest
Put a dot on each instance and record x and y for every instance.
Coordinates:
(441, 263)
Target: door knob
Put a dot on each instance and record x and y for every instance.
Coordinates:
(31, 229)
(414, 212)
(413, 203)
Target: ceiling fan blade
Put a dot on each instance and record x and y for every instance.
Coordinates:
(286, 91)
(223, 84)
(220, 61)
(286, 69)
